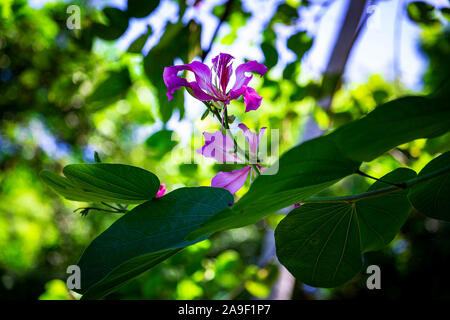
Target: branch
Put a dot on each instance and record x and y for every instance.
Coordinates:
(350, 30)
(224, 17)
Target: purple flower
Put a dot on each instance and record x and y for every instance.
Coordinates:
(221, 148)
(205, 89)
(234, 180)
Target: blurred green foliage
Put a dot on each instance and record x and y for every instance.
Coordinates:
(65, 94)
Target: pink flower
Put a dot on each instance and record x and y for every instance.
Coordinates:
(204, 89)
(161, 191)
(234, 180)
(221, 148)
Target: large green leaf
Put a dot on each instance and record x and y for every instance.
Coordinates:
(380, 218)
(391, 124)
(431, 197)
(126, 272)
(303, 171)
(108, 182)
(321, 243)
(146, 235)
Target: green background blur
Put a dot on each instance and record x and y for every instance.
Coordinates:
(65, 94)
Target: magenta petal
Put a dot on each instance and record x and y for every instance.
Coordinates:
(232, 181)
(252, 99)
(202, 88)
(172, 81)
(161, 191)
(242, 79)
(219, 147)
(203, 76)
(251, 137)
(223, 69)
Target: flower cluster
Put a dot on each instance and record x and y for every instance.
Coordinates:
(212, 87)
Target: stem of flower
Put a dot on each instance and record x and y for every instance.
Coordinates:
(255, 167)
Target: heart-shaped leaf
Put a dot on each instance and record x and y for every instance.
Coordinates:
(96, 182)
(321, 243)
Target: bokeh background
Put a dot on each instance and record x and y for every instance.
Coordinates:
(65, 94)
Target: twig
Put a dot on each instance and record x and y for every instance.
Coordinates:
(224, 17)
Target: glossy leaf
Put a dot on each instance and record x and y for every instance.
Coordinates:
(104, 182)
(154, 226)
(431, 197)
(392, 124)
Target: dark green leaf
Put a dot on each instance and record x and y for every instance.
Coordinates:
(97, 182)
(270, 54)
(97, 157)
(110, 90)
(117, 24)
(139, 43)
(300, 43)
(421, 12)
(289, 71)
(321, 243)
(446, 13)
(141, 8)
(126, 272)
(156, 229)
(391, 124)
(285, 14)
(431, 197)
(161, 142)
(380, 218)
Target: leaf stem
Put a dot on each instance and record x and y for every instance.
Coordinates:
(400, 185)
(376, 193)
